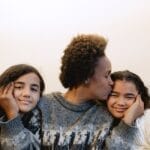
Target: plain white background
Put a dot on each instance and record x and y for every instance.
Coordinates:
(37, 31)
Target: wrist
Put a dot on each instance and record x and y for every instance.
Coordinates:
(12, 115)
(128, 121)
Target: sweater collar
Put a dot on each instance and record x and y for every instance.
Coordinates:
(77, 108)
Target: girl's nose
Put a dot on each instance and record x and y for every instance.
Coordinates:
(26, 92)
(121, 101)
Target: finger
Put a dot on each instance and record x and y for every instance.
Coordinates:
(2, 88)
(13, 89)
(8, 89)
(5, 89)
(141, 104)
(138, 99)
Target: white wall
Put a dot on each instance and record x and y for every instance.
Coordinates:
(37, 31)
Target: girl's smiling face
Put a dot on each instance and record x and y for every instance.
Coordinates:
(122, 97)
(27, 91)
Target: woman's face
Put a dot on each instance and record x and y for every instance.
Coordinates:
(100, 84)
(122, 97)
(27, 91)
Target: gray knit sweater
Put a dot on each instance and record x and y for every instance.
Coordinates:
(68, 127)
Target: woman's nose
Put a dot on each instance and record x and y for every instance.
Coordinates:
(111, 81)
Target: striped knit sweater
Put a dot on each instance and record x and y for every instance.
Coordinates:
(142, 140)
(64, 126)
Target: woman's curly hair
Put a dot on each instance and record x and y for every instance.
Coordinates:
(80, 59)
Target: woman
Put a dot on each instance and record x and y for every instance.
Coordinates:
(127, 88)
(21, 87)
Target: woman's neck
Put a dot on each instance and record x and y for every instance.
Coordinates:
(77, 95)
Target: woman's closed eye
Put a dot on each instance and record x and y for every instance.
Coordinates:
(113, 94)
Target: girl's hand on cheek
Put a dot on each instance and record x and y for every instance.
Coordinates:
(8, 102)
(135, 111)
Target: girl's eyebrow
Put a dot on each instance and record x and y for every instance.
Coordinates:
(130, 94)
(114, 92)
(35, 85)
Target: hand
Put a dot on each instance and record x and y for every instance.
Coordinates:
(135, 111)
(8, 102)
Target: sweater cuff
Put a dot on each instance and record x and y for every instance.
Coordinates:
(11, 127)
(126, 131)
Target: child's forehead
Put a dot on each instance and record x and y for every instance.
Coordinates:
(124, 86)
(30, 78)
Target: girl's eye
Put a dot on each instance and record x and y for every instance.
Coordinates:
(34, 89)
(18, 87)
(130, 98)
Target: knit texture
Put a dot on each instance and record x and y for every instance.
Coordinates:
(142, 140)
(64, 126)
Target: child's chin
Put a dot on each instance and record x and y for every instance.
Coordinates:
(118, 116)
(24, 110)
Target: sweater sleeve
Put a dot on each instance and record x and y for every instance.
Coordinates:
(121, 137)
(143, 135)
(14, 136)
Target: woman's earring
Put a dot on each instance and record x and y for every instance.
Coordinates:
(86, 81)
